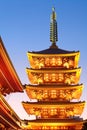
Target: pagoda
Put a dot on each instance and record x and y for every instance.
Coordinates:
(54, 91)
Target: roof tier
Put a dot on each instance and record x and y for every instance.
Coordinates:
(53, 58)
(54, 92)
(53, 109)
(54, 124)
(51, 76)
(54, 51)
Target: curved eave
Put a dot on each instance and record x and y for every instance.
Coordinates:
(51, 122)
(52, 104)
(54, 52)
(8, 111)
(58, 87)
(8, 72)
(53, 70)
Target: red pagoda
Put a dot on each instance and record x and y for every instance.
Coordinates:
(54, 75)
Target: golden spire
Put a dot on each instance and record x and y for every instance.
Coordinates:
(53, 29)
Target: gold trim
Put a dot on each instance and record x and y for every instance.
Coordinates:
(59, 123)
(52, 87)
(52, 70)
(47, 105)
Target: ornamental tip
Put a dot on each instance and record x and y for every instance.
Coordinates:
(53, 9)
(53, 15)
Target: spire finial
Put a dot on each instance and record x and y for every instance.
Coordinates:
(53, 9)
(53, 29)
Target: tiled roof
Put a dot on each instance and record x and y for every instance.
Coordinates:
(53, 51)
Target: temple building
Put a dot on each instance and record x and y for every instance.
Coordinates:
(54, 90)
(9, 83)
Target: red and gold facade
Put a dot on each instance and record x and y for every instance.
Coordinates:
(54, 90)
(54, 75)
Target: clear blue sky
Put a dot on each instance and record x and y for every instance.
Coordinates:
(24, 26)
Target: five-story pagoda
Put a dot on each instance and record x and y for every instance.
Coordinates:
(54, 77)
